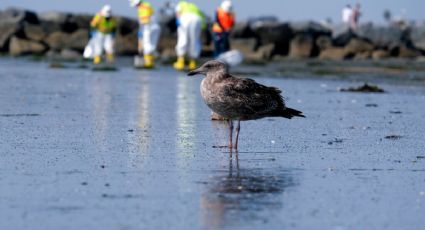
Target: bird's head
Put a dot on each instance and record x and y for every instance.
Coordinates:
(214, 66)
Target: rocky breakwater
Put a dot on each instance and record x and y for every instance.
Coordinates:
(23, 32)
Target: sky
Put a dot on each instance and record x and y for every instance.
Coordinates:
(297, 10)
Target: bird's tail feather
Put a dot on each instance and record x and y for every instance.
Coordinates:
(290, 113)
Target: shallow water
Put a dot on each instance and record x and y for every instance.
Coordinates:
(136, 150)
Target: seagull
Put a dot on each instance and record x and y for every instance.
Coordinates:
(239, 99)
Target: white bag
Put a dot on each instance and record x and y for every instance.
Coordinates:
(232, 58)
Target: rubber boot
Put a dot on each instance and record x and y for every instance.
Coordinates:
(192, 64)
(110, 58)
(149, 61)
(97, 60)
(179, 64)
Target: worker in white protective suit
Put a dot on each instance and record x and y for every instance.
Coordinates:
(148, 33)
(103, 27)
(190, 22)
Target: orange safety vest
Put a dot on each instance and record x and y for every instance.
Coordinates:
(224, 21)
(145, 12)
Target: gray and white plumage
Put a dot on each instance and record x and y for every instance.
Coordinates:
(240, 98)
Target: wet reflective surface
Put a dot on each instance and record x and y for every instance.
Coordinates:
(136, 150)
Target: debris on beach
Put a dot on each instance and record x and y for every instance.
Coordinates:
(366, 88)
(104, 68)
(393, 137)
(371, 105)
(57, 65)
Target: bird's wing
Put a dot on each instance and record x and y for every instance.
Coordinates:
(251, 97)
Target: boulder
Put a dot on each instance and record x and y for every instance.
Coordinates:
(126, 45)
(380, 54)
(382, 36)
(167, 42)
(78, 40)
(301, 46)
(357, 45)
(310, 27)
(246, 46)
(58, 21)
(323, 42)
(418, 36)
(7, 31)
(126, 26)
(363, 55)
(69, 54)
(343, 39)
(242, 30)
(333, 53)
(15, 15)
(264, 52)
(20, 46)
(279, 34)
(34, 32)
(60, 40)
(54, 16)
(405, 51)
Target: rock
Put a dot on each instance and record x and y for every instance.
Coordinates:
(60, 40)
(380, 54)
(343, 39)
(168, 24)
(262, 21)
(64, 22)
(15, 15)
(382, 37)
(126, 45)
(264, 52)
(242, 30)
(310, 27)
(333, 53)
(365, 88)
(405, 51)
(301, 46)
(356, 45)
(363, 55)
(54, 16)
(69, 54)
(7, 31)
(78, 40)
(34, 32)
(82, 21)
(246, 46)
(323, 42)
(126, 26)
(279, 34)
(20, 46)
(57, 40)
(418, 36)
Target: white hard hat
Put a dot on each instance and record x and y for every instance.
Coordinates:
(106, 11)
(227, 6)
(134, 3)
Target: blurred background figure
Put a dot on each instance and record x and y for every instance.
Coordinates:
(223, 24)
(149, 31)
(347, 12)
(103, 32)
(190, 22)
(355, 16)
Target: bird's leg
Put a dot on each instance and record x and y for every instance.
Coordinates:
(238, 128)
(230, 134)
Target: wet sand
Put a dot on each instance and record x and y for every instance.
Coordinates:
(136, 150)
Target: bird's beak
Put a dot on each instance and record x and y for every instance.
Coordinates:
(195, 72)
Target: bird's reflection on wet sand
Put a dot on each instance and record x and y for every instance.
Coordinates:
(240, 194)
